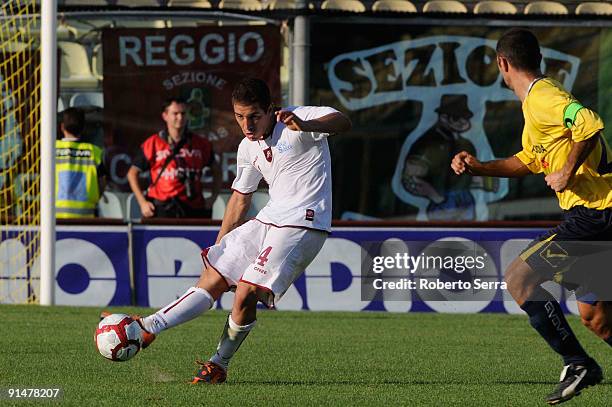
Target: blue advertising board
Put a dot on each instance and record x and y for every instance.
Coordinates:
(93, 267)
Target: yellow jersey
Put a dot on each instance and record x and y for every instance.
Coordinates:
(554, 119)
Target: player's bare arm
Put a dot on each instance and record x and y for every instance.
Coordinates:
(332, 123)
(506, 167)
(559, 180)
(235, 213)
(146, 208)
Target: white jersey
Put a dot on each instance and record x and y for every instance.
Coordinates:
(297, 167)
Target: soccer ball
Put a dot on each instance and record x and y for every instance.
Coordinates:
(118, 337)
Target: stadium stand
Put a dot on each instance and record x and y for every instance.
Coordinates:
(247, 5)
(87, 99)
(444, 6)
(545, 7)
(142, 23)
(75, 69)
(109, 206)
(190, 3)
(398, 6)
(594, 8)
(86, 3)
(138, 3)
(495, 7)
(343, 5)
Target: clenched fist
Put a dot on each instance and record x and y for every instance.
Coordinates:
(464, 162)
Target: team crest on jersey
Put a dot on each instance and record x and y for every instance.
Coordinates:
(268, 154)
(310, 214)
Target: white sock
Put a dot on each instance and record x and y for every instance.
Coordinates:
(231, 339)
(194, 302)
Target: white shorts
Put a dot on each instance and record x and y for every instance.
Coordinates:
(265, 256)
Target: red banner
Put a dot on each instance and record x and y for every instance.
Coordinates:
(143, 67)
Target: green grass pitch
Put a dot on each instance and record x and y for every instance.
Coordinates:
(297, 358)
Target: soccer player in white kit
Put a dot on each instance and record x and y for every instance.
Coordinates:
(261, 258)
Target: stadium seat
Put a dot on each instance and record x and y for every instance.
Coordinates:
(133, 209)
(97, 62)
(87, 99)
(594, 8)
(109, 206)
(75, 69)
(494, 7)
(247, 5)
(343, 5)
(66, 32)
(60, 105)
(545, 7)
(286, 4)
(190, 3)
(398, 6)
(444, 6)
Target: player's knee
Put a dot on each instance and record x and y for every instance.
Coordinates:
(521, 280)
(514, 278)
(246, 296)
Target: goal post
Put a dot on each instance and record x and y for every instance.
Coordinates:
(28, 105)
(48, 126)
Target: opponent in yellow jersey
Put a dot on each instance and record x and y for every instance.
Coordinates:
(563, 140)
(554, 120)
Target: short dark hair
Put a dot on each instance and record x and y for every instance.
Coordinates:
(521, 48)
(252, 91)
(73, 120)
(173, 99)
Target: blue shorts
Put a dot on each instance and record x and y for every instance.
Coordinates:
(577, 254)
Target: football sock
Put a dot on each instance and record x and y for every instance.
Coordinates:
(231, 339)
(546, 317)
(194, 302)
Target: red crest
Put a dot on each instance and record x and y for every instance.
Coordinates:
(268, 154)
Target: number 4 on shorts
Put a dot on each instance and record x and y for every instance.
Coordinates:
(263, 257)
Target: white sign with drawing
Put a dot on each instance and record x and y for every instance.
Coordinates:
(453, 77)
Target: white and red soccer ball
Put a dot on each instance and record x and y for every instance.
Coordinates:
(118, 337)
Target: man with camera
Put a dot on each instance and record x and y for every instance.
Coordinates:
(176, 158)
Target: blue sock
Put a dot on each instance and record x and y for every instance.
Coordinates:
(546, 317)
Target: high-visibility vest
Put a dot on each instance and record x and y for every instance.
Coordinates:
(76, 179)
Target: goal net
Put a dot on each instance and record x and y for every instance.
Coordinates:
(19, 150)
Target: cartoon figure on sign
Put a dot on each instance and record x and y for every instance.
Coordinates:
(426, 173)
